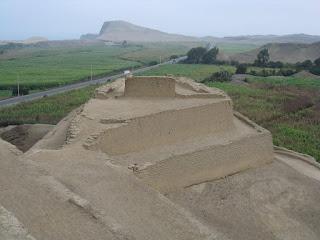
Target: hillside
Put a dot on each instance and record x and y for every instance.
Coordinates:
(31, 40)
(264, 39)
(284, 52)
(118, 31)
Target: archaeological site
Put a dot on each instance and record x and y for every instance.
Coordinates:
(157, 158)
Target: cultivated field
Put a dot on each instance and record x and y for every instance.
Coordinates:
(39, 68)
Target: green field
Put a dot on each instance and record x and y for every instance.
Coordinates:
(48, 110)
(39, 68)
(48, 67)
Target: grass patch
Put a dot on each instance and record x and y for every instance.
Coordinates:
(48, 110)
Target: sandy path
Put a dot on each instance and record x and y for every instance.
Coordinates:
(301, 166)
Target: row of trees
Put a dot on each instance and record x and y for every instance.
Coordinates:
(201, 55)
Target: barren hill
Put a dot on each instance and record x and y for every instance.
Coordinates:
(284, 52)
(118, 31)
(265, 39)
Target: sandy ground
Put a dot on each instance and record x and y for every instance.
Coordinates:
(271, 202)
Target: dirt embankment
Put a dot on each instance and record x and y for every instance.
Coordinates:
(25, 136)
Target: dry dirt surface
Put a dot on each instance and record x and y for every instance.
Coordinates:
(64, 188)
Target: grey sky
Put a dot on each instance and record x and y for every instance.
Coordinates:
(65, 19)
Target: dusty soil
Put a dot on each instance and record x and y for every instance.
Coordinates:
(271, 202)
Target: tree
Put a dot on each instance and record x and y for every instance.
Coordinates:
(124, 43)
(263, 57)
(241, 69)
(317, 62)
(210, 57)
(195, 55)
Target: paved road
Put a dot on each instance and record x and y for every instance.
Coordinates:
(66, 88)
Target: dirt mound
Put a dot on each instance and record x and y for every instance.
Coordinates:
(306, 74)
(284, 52)
(25, 136)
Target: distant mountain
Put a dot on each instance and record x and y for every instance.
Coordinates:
(284, 52)
(31, 40)
(118, 31)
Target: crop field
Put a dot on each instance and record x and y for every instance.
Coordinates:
(45, 68)
(39, 68)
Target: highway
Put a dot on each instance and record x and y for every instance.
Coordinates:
(66, 88)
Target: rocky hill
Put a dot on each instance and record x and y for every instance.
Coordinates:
(118, 31)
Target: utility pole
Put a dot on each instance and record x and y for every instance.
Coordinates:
(18, 87)
(91, 73)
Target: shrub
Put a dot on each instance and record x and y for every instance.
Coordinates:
(222, 76)
(241, 69)
(315, 70)
(173, 57)
(296, 104)
(152, 63)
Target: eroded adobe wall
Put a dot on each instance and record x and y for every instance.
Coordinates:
(166, 128)
(208, 164)
(150, 87)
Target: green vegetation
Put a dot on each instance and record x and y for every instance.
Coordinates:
(42, 68)
(263, 58)
(49, 110)
(46, 66)
(202, 55)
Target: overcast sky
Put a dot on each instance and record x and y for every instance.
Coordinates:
(65, 19)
